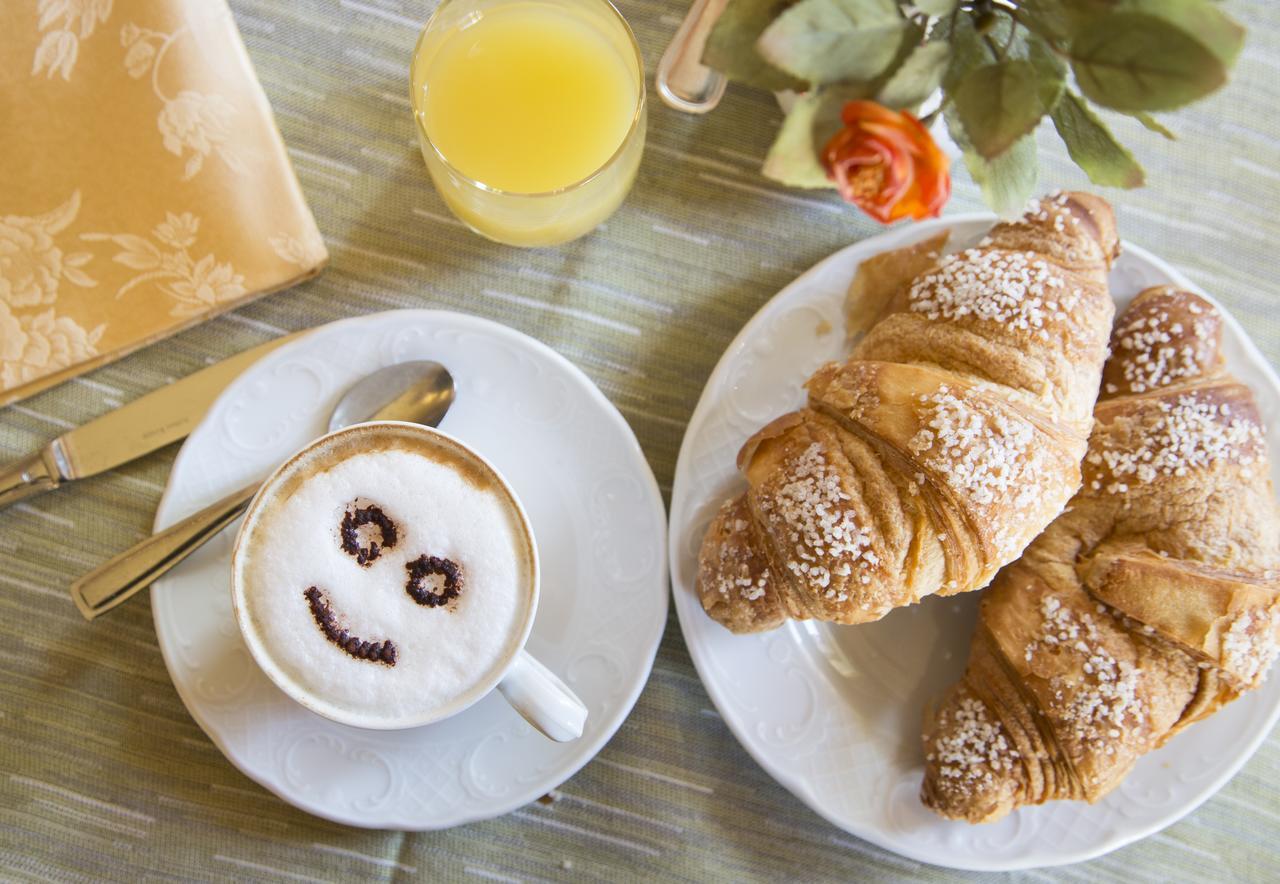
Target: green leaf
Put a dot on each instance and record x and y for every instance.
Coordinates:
(1051, 70)
(1093, 147)
(968, 49)
(1151, 55)
(795, 157)
(832, 41)
(998, 104)
(936, 7)
(1154, 125)
(1049, 18)
(918, 77)
(1007, 181)
(1035, 81)
(731, 46)
(1058, 20)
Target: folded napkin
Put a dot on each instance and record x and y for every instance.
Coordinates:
(144, 186)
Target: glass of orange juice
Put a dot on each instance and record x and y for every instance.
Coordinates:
(530, 113)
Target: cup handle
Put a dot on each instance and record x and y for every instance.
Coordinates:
(542, 699)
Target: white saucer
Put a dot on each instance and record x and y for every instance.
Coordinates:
(834, 713)
(597, 516)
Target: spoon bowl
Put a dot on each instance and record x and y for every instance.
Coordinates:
(414, 392)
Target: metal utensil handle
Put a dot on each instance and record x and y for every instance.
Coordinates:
(137, 567)
(24, 478)
(683, 81)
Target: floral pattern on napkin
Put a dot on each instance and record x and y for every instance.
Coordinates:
(155, 189)
(33, 268)
(194, 284)
(63, 24)
(192, 124)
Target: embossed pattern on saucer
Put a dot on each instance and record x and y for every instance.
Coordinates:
(598, 518)
(834, 713)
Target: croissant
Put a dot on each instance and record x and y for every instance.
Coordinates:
(1151, 602)
(947, 441)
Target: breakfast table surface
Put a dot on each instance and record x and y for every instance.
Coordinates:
(103, 773)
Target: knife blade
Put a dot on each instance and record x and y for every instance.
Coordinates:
(144, 425)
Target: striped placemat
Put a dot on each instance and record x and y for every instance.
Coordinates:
(103, 775)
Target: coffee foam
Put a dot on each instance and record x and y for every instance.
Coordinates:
(444, 503)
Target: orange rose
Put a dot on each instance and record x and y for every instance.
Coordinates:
(886, 163)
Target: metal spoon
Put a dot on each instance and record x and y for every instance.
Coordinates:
(416, 392)
(683, 81)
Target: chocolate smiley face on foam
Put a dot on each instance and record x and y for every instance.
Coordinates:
(433, 581)
(362, 548)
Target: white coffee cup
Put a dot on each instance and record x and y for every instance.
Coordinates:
(262, 591)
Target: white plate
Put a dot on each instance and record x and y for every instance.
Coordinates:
(597, 516)
(834, 713)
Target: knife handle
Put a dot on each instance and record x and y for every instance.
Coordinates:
(28, 476)
(137, 567)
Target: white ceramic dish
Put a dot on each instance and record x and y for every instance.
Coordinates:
(833, 713)
(597, 516)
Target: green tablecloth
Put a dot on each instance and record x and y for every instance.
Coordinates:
(102, 772)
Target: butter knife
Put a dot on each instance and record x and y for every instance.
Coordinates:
(144, 425)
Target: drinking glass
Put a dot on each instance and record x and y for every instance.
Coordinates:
(547, 216)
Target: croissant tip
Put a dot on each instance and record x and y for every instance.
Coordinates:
(1173, 292)
(1189, 326)
(1099, 217)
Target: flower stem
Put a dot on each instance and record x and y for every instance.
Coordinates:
(137, 280)
(1013, 32)
(155, 65)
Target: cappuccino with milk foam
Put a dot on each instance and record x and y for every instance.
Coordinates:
(386, 576)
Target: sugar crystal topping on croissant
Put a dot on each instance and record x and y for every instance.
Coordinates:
(1151, 602)
(934, 454)
(1189, 433)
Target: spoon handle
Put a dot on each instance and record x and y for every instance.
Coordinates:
(683, 81)
(137, 567)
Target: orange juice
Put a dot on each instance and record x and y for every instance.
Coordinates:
(530, 114)
(529, 99)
